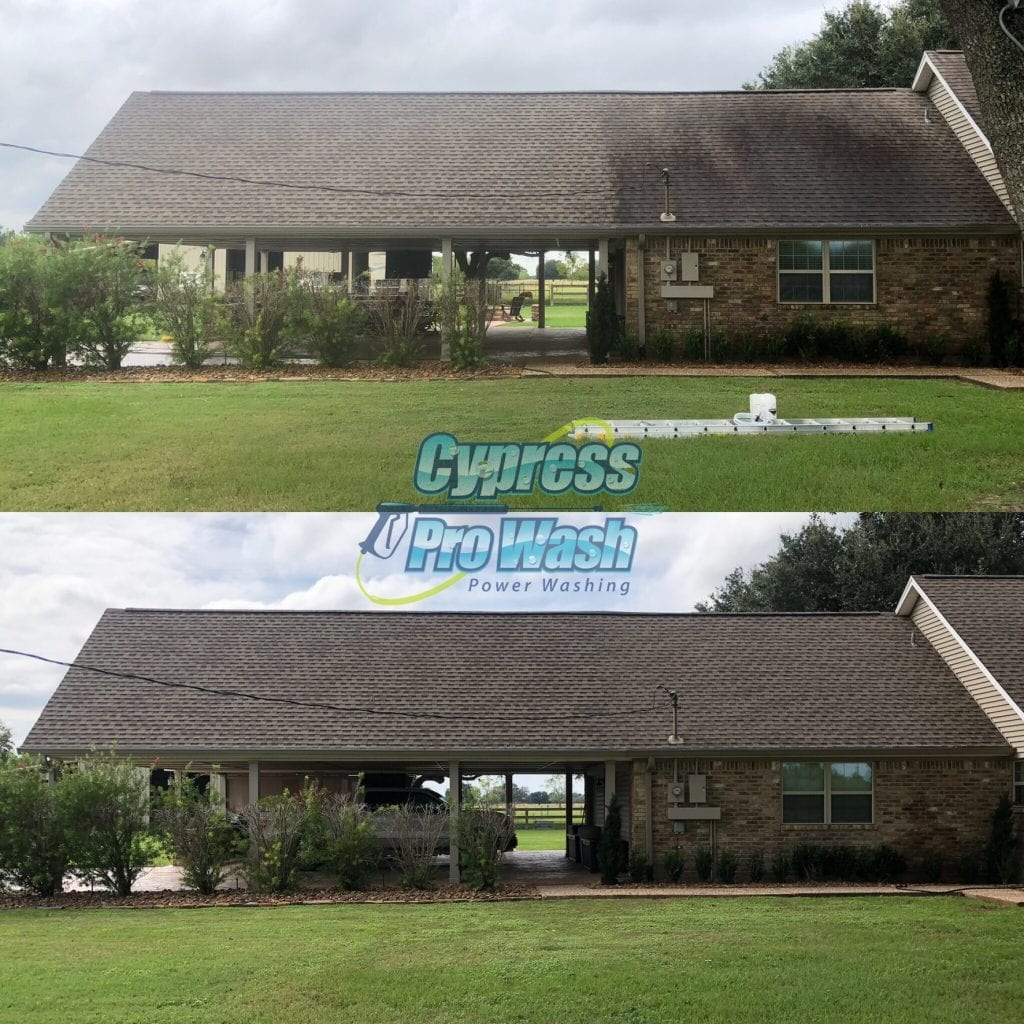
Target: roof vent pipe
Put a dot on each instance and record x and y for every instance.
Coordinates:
(673, 696)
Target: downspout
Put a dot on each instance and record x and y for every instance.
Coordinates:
(641, 310)
(649, 815)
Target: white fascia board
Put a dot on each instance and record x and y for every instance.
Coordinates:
(924, 74)
(911, 592)
(963, 110)
(1014, 706)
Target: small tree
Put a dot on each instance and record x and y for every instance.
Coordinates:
(33, 829)
(185, 307)
(609, 846)
(1001, 850)
(602, 323)
(483, 838)
(275, 828)
(6, 742)
(103, 286)
(203, 839)
(107, 805)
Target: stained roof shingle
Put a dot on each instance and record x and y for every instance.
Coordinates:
(534, 162)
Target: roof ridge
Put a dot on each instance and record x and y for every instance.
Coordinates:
(522, 92)
(498, 614)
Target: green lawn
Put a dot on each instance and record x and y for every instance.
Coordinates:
(540, 838)
(561, 315)
(853, 961)
(347, 445)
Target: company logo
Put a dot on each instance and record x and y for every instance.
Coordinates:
(472, 535)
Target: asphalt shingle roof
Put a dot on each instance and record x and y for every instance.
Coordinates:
(952, 67)
(535, 162)
(542, 682)
(988, 613)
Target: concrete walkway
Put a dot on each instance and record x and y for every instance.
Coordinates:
(1002, 380)
(556, 878)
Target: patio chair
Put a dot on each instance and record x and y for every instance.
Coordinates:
(514, 309)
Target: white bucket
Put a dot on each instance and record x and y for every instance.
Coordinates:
(763, 408)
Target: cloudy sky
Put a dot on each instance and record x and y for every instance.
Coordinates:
(58, 572)
(69, 64)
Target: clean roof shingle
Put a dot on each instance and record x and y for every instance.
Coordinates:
(512, 683)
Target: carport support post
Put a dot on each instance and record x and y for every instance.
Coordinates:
(454, 809)
(542, 288)
(591, 276)
(568, 803)
(349, 274)
(254, 781)
(508, 794)
(609, 782)
(602, 257)
(446, 278)
(250, 269)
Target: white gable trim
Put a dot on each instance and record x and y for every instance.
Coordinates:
(922, 596)
(923, 79)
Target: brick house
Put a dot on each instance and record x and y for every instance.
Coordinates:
(731, 211)
(852, 729)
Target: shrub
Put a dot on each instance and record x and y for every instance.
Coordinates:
(932, 862)
(838, 340)
(974, 352)
(415, 834)
(1000, 328)
(841, 863)
(602, 323)
(808, 862)
(323, 320)
(103, 285)
(704, 864)
(883, 863)
(397, 318)
(883, 343)
(35, 325)
(184, 306)
(627, 347)
(969, 866)
(801, 339)
(350, 848)
(1001, 850)
(609, 846)
(34, 850)
(640, 870)
(483, 837)
(200, 835)
(756, 866)
(107, 806)
(728, 866)
(254, 318)
(780, 866)
(274, 826)
(693, 345)
(662, 344)
(933, 349)
(673, 863)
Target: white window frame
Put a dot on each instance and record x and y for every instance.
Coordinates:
(1018, 783)
(826, 793)
(826, 273)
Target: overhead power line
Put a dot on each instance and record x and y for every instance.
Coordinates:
(328, 706)
(386, 193)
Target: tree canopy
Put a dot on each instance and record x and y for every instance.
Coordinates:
(6, 741)
(863, 45)
(865, 567)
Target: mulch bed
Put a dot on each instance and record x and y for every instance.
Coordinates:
(170, 898)
(210, 374)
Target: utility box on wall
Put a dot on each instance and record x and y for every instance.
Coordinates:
(689, 267)
(698, 789)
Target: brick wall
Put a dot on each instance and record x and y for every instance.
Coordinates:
(924, 285)
(920, 805)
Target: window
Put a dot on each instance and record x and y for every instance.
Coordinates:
(1018, 783)
(827, 272)
(815, 793)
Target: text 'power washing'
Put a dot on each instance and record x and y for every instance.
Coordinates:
(486, 470)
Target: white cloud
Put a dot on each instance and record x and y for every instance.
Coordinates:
(69, 64)
(59, 572)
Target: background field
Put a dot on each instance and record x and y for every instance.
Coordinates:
(345, 446)
(742, 961)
